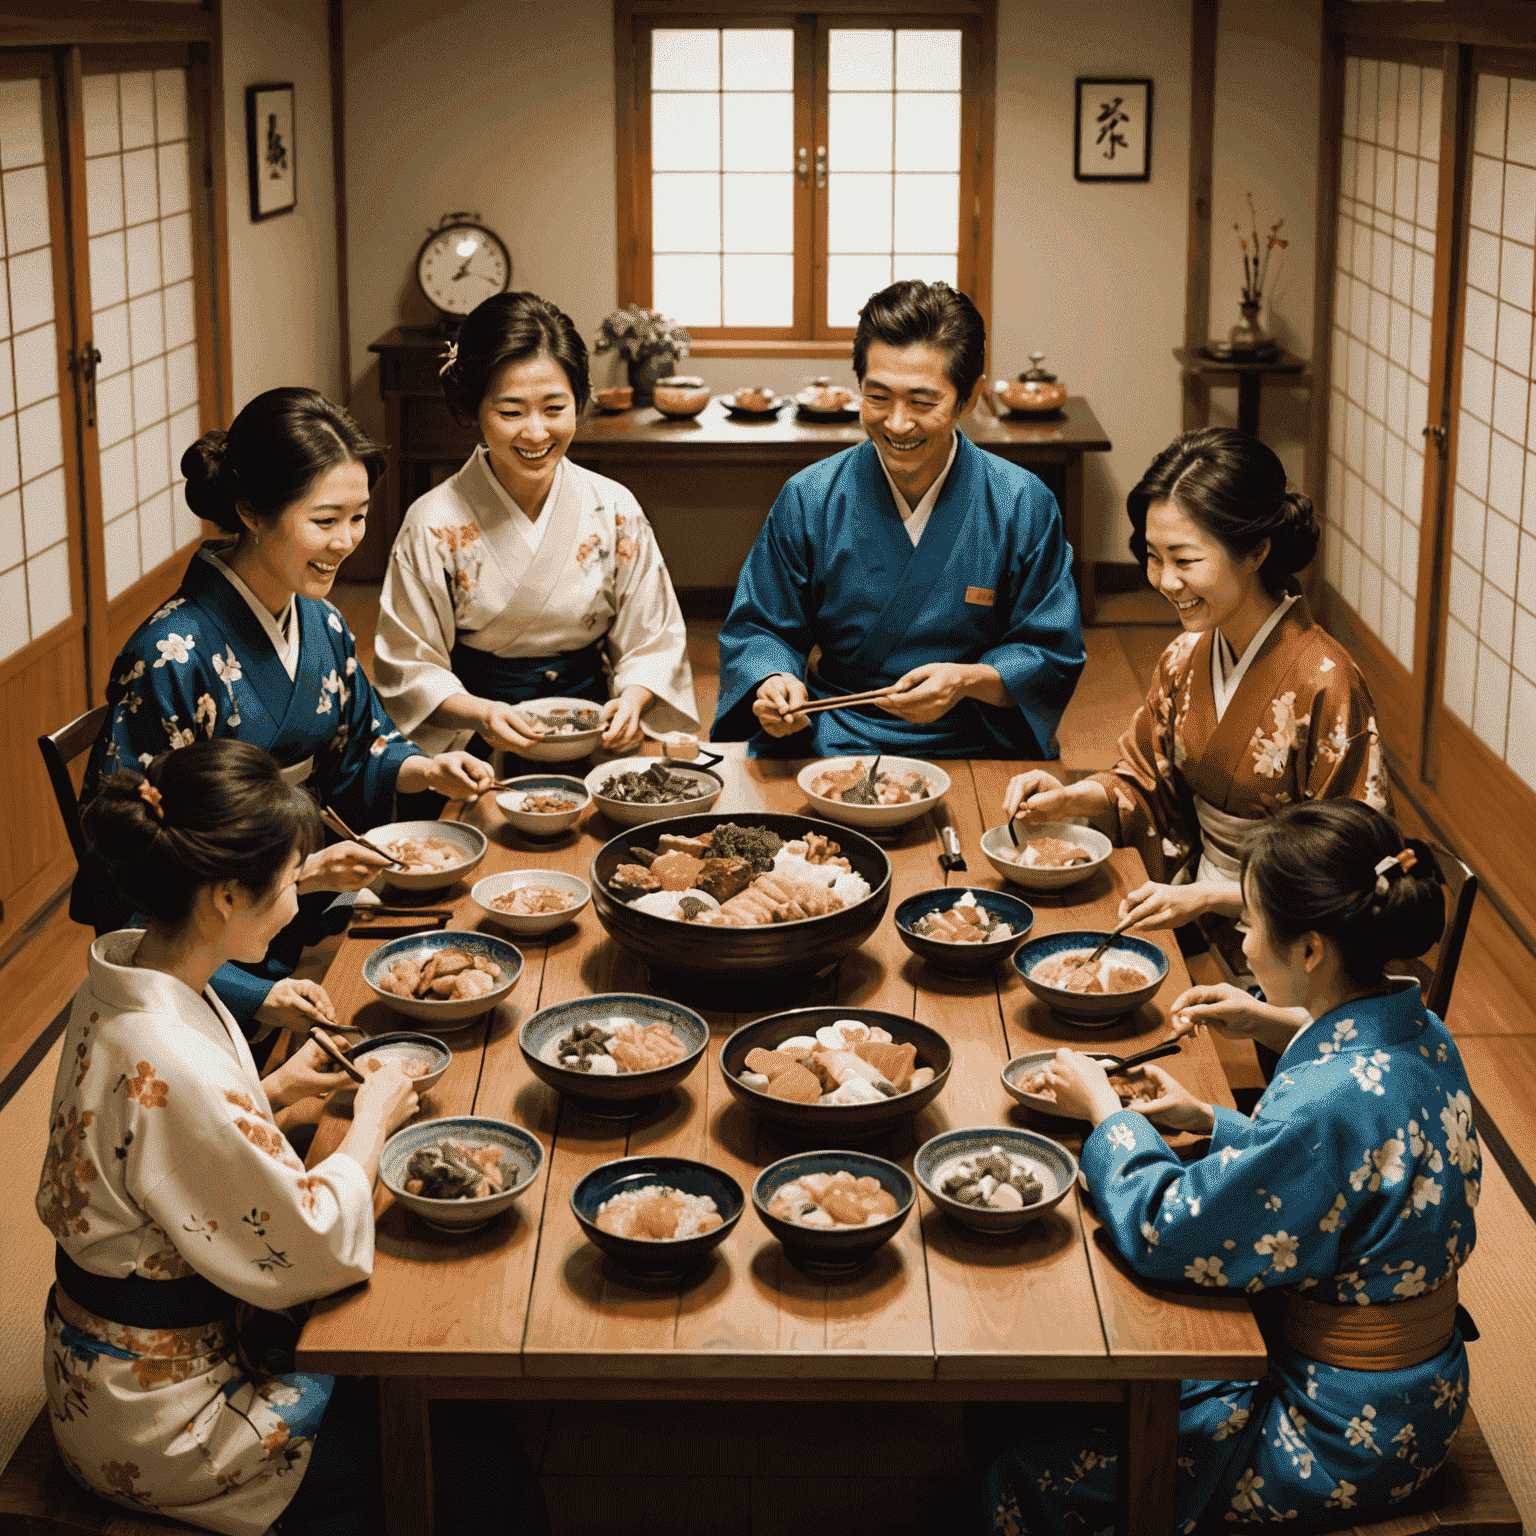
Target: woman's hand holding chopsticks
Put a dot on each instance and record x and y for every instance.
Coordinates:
(1236, 1014)
(778, 699)
(295, 1005)
(306, 1074)
(344, 866)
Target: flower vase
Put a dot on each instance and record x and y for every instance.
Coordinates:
(1246, 337)
(645, 371)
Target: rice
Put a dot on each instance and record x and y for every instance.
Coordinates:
(849, 885)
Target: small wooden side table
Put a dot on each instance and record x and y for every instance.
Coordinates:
(1247, 374)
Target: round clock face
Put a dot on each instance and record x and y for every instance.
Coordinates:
(461, 266)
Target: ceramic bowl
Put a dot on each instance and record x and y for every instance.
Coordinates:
(512, 803)
(753, 400)
(1087, 1009)
(444, 1013)
(995, 840)
(680, 396)
(569, 745)
(521, 1158)
(629, 813)
(657, 1260)
(1014, 1073)
(403, 1046)
(873, 817)
(833, 1124)
(1049, 1161)
(827, 403)
(471, 842)
(963, 959)
(617, 397)
(832, 1251)
(626, 1093)
(1030, 398)
(485, 891)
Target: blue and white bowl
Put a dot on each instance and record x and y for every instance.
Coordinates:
(470, 841)
(522, 1156)
(442, 1012)
(1090, 1010)
(657, 1259)
(833, 1250)
(964, 959)
(402, 1045)
(1049, 1161)
(543, 823)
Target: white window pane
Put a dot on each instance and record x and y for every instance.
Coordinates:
(170, 104)
(1514, 346)
(1510, 390)
(157, 530)
(26, 209)
(1407, 187)
(1386, 104)
(1427, 204)
(146, 327)
(859, 132)
(121, 541)
(41, 440)
(7, 392)
(685, 213)
(1521, 143)
(149, 406)
(1491, 713)
(929, 267)
(850, 282)
(687, 288)
(1483, 261)
(757, 59)
(1472, 454)
(927, 133)
(1501, 551)
(119, 489)
(1423, 283)
(1418, 362)
(927, 61)
(10, 459)
(1505, 465)
(1487, 200)
(759, 215)
(858, 213)
(109, 277)
(104, 194)
(137, 95)
(114, 409)
(21, 123)
(48, 589)
(180, 383)
(1408, 108)
(42, 510)
(758, 133)
(1370, 71)
(685, 59)
(759, 290)
(1516, 273)
(1351, 97)
(37, 365)
(98, 108)
(685, 132)
(175, 248)
(859, 59)
(1492, 98)
(1348, 158)
(141, 194)
(175, 178)
(927, 213)
(152, 459)
(180, 315)
(12, 550)
(1386, 178)
(142, 245)
(1429, 115)
(14, 632)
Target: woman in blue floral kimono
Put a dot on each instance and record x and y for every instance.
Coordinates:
(249, 647)
(1345, 1205)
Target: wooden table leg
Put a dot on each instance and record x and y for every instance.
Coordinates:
(1249, 386)
(407, 1437)
(1151, 1457)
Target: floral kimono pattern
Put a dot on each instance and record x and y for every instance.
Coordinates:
(1356, 1182)
(164, 1161)
(1300, 726)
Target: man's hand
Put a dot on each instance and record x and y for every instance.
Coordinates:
(778, 697)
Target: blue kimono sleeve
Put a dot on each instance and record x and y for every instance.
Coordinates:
(1258, 1211)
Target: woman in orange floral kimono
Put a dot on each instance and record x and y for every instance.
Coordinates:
(1252, 708)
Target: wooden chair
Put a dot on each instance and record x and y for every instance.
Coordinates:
(60, 748)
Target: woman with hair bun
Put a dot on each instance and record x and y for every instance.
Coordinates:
(524, 575)
(1345, 1207)
(249, 647)
(1254, 707)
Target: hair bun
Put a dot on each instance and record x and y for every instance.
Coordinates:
(206, 468)
(1293, 540)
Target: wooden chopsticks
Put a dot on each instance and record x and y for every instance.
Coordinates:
(336, 824)
(332, 1050)
(846, 701)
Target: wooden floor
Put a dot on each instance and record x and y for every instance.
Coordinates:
(615, 1468)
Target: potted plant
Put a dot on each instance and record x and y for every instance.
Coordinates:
(648, 341)
(1246, 337)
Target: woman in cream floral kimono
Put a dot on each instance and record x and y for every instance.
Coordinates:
(1252, 708)
(1344, 1207)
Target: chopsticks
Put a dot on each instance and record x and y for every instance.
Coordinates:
(845, 701)
(1167, 1048)
(336, 824)
(332, 1050)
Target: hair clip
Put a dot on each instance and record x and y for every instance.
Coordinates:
(1394, 863)
(450, 357)
(152, 798)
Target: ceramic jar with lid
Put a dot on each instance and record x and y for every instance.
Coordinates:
(1034, 392)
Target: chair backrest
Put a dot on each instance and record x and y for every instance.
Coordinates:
(1460, 894)
(60, 748)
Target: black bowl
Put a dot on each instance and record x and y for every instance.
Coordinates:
(779, 951)
(834, 1125)
(832, 1250)
(964, 959)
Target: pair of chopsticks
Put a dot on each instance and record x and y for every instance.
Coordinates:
(845, 701)
(334, 1051)
(336, 824)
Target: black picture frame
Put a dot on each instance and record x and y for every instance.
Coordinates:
(1123, 106)
(271, 150)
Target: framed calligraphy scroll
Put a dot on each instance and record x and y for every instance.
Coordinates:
(269, 122)
(1113, 137)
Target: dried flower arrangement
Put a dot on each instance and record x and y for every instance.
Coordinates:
(1255, 263)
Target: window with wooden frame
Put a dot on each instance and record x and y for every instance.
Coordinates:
(776, 167)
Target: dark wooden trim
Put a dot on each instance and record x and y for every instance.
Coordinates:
(26, 64)
(861, 9)
(208, 67)
(1202, 129)
(732, 347)
(1330, 123)
(65, 23)
(1391, 50)
(336, 39)
(624, 153)
(1482, 23)
(97, 60)
(1519, 62)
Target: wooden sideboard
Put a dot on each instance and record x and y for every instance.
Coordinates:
(644, 450)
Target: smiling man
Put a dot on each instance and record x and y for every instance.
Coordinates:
(916, 562)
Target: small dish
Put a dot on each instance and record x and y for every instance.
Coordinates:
(651, 1259)
(615, 398)
(832, 1251)
(484, 892)
(470, 841)
(631, 813)
(736, 405)
(1049, 1161)
(680, 396)
(444, 1013)
(996, 841)
(522, 1156)
(568, 745)
(1091, 1010)
(824, 401)
(873, 817)
(963, 959)
(402, 1045)
(1015, 1071)
(513, 803)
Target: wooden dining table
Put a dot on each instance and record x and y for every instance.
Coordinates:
(527, 1308)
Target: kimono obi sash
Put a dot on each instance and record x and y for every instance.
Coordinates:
(1386, 1337)
(134, 1302)
(1221, 836)
(515, 679)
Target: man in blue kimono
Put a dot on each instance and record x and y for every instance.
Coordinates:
(915, 561)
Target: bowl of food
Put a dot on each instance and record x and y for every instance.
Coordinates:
(543, 804)
(835, 1076)
(901, 789)
(443, 978)
(963, 930)
(821, 400)
(615, 397)
(994, 1178)
(755, 895)
(423, 1057)
(613, 1052)
(832, 1210)
(1024, 397)
(432, 854)
(460, 1172)
(657, 1218)
(1048, 855)
(680, 396)
(1023, 1079)
(572, 728)
(752, 401)
(530, 902)
(631, 791)
(1124, 977)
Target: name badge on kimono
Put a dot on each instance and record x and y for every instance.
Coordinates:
(982, 597)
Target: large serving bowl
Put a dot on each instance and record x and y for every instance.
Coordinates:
(565, 748)
(1088, 1009)
(511, 802)
(833, 1124)
(996, 840)
(653, 1260)
(963, 959)
(780, 951)
(680, 396)
(521, 1158)
(873, 817)
(1049, 1161)
(485, 891)
(628, 813)
(832, 1250)
(402, 1045)
(626, 1093)
(471, 842)
(442, 1012)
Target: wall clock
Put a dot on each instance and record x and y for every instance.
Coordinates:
(461, 264)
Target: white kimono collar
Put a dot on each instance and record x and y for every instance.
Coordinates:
(281, 629)
(915, 519)
(1224, 684)
(529, 529)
